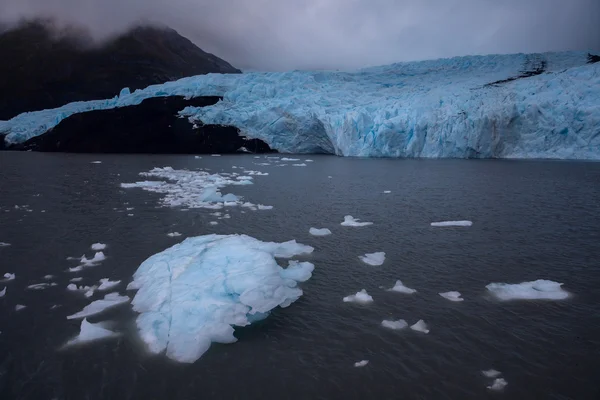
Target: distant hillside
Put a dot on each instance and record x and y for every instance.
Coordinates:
(42, 68)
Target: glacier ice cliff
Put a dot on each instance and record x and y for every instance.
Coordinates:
(194, 293)
(506, 106)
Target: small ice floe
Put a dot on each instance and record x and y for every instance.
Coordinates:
(90, 332)
(400, 288)
(299, 165)
(173, 234)
(349, 220)
(540, 289)
(8, 277)
(257, 173)
(19, 307)
(361, 297)
(48, 277)
(90, 262)
(452, 296)
(360, 364)
(387, 191)
(256, 156)
(197, 157)
(491, 373)
(98, 246)
(499, 384)
(395, 325)
(55, 306)
(308, 160)
(98, 306)
(88, 291)
(213, 223)
(3, 292)
(290, 159)
(76, 279)
(374, 259)
(452, 223)
(130, 215)
(40, 286)
(420, 326)
(4, 244)
(76, 269)
(96, 162)
(262, 207)
(106, 284)
(319, 231)
(329, 176)
(130, 208)
(215, 155)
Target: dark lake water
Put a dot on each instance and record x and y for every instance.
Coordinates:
(531, 220)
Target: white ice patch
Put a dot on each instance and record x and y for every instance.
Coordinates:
(91, 332)
(361, 297)
(374, 259)
(452, 223)
(3, 292)
(191, 189)
(395, 325)
(98, 306)
(349, 220)
(400, 288)
(452, 296)
(387, 191)
(48, 277)
(195, 292)
(491, 373)
(540, 289)
(96, 162)
(499, 384)
(319, 232)
(98, 246)
(420, 326)
(299, 165)
(106, 284)
(197, 157)
(173, 234)
(360, 364)
(4, 244)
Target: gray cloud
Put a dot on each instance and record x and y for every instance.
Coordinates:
(301, 34)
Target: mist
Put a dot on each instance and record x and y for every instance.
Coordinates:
(275, 35)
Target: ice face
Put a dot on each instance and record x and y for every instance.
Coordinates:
(349, 220)
(452, 296)
(540, 289)
(361, 297)
(91, 332)
(374, 259)
(394, 325)
(319, 232)
(400, 288)
(194, 293)
(452, 223)
(437, 108)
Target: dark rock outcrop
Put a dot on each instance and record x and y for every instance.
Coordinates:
(153, 126)
(533, 66)
(43, 66)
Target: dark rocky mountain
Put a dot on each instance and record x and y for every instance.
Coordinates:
(45, 67)
(153, 126)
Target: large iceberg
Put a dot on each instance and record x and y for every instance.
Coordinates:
(509, 106)
(194, 293)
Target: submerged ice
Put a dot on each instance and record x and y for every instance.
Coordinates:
(196, 292)
(462, 107)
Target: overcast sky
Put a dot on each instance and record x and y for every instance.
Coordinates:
(301, 34)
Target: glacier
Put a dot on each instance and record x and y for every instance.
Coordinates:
(193, 294)
(462, 107)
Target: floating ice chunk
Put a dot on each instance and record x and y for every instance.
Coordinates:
(329, 176)
(98, 257)
(173, 234)
(212, 195)
(540, 289)
(261, 207)
(319, 232)
(400, 288)
(4, 244)
(130, 215)
(361, 297)
(258, 173)
(452, 296)
(76, 269)
(374, 259)
(452, 223)
(387, 191)
(197, 157)
(106, 284)
(420, 326)
(491, 373)
(349, 220)
(290, 159)
(299, 165)
(48, 277)
(395, 325)
(193, 293)
(3, 292)
(308, 160)
(213, 223)
(98, 246)
(8, 277)
(360, 364)
(38, 286)
(215, 155)
(72, 287)
(90, 291)
(96, 162)
(499, 384)
(90, 332)
(19, 307)
(76, 279)
(98, 306)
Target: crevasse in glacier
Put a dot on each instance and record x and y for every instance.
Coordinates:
(194, 293)
(458, 107)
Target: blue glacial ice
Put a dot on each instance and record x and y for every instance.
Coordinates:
(194, 293)
(436, 108)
